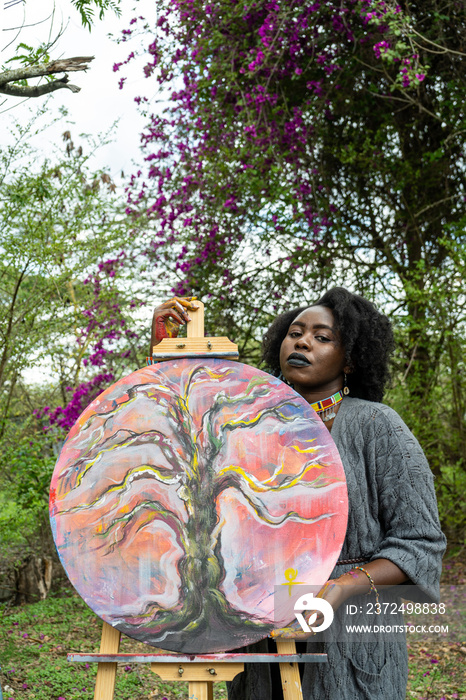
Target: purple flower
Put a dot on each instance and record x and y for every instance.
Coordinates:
(381, 48)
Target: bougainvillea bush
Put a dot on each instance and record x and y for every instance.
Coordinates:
(293, 143)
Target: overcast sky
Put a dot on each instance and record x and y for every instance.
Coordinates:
(100, 102)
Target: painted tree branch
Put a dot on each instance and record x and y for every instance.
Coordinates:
(158, 439)
(127, 522)
(142, 471)
(26, 72)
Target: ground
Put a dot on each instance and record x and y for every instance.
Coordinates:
(35, 640)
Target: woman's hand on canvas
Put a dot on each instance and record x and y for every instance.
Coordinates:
(169, 316)
(358, 581)
(335, 594)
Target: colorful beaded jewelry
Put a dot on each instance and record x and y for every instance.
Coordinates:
(325, 407)
(372, 589)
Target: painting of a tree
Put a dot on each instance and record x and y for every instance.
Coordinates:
(184, 492)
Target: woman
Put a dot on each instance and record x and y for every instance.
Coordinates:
(339, 348)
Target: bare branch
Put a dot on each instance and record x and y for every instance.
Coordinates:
(38, 90)
(77, 63)
(234, 476)
(245, 422)
(255, 484)
(69, 65)
(77, 470)
(443, 49)
(256, 389)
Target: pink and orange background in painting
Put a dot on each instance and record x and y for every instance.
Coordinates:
(182, 495)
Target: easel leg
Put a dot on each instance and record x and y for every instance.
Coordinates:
(106, 672)
(291, 681)
(201, 690)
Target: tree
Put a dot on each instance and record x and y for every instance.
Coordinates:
(312, 136)
(60, 221)
(170, 465)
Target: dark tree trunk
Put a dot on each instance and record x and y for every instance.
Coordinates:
(33, 579)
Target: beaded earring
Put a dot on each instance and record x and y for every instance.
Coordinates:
(345, 385)
(285, 381)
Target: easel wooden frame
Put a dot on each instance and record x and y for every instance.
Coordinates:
(201, 671)
(198, 670)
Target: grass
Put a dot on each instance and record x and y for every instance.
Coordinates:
(35, 639)
(437, 666)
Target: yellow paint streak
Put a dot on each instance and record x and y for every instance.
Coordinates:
(80, 476)
(309, 449)
(260, 486)
(195, 463)
(275, 474)
(210, 373)
(121, 487)
(256, 418)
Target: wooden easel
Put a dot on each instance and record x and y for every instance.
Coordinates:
(201, 671)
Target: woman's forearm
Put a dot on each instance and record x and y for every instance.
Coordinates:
(382, 572)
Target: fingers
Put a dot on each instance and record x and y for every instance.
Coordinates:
(187, 302)
(169, 316)
(178, 315)
(316, 620)
(181, 303)
(177, 309)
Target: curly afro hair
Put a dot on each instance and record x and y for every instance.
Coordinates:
(365, 333)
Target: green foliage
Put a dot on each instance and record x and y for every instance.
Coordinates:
(59, 220)
(53, 229)
(86, 9)
(32, 55)
(451, 488)
(28, 466)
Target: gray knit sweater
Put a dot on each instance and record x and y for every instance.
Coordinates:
(392, 515)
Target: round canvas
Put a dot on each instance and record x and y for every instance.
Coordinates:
(186, 492)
